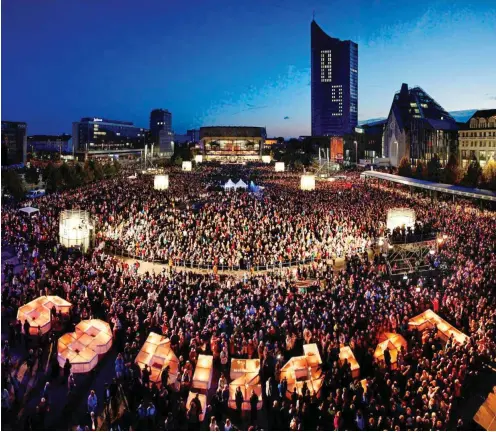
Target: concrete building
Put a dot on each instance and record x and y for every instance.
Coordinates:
(161, 131)
(14, 142)
(50, 143)
(334, 84)
(477, 138)
(418, 128)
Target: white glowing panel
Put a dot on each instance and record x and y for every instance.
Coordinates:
(325, 66)
(187, 166)
(199, 158)
(279, 167)
(307, 182)
(74, 229)
(337, 97)
(398, 217)
(161, 182)
(266, 159)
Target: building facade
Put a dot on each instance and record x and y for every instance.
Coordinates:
(477, 138)
(235, 143)
(366, 143)
(50, 143)
(194, 135)
(92, 134)
(334, 84)
(418, 128)
(161, 130)
(14, 142)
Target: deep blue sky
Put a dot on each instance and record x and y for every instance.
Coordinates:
(233, 61)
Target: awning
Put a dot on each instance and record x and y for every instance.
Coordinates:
(29, 210)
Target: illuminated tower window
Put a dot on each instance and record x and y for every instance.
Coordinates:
(325, 66)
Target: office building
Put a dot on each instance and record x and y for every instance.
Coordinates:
(334, 84)
(418, 128)
(92, 134)
(233, 143)
(161, 130)
(477, 138)
(50, 143)
(14, 142)
(194, 135)
(366, 143)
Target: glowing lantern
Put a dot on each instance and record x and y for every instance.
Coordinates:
(307, 182)
(83, 347)
(199, 159)
(429, 319)
(157, 353)
(38, 312)
(345, 353)
(266, 159)
(161, 182)
(202, 378)
(187, 166)
(279, 167)
(392, 342)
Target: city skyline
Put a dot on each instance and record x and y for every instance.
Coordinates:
(258, 75)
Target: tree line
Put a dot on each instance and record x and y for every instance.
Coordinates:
(471, 176)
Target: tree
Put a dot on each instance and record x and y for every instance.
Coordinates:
(405, 167)
(298, 165)
(489, 175)
(12, 183)
(52, 177)
(178, 161)
(419, 170)
(473, 174)
(452, 174)
(32, 175)
(434, 169)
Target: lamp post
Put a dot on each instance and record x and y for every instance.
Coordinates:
(356, 151)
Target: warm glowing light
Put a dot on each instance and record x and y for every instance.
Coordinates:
(199, 159)
(399, 217)
(307, 182)
(279, 167)
(161, 182)
(37, 312)
(187, 166)
(266, 159)
(74, 229)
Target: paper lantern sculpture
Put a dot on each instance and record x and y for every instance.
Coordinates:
(307, 182)
(345, 353)
(399, 217)
(157, 353)
(38, 311)
(75, 229)
(203, 402)
(266, 159)
(199, 159)
(304, 370)
(247, 383)
(187, 166)
(486, 414)
(429, 319)
(161, 182)
(85, 346)
(240, 367)
(202, 378)
(392, 342)
(279, 167)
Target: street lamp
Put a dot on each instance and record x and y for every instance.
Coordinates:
(356, 152)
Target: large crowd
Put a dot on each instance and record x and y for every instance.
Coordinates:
(261, 315)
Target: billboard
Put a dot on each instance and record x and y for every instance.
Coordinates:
(337, 145)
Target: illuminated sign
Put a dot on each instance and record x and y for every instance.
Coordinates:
(97, 119)
(359, 130)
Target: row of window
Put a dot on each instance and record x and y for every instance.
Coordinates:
(481, 144)
(480, 134)
(482, 123)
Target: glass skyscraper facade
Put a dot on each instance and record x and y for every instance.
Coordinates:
(334, 83)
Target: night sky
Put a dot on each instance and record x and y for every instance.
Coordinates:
(233, 62)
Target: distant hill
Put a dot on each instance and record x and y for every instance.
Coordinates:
(459, 116)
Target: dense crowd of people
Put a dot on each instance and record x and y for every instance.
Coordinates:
(265, 316)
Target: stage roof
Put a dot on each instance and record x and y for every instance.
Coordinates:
(439, 187)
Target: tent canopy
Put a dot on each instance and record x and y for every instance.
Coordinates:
(241, 184)
(229, 185)
(29, 210)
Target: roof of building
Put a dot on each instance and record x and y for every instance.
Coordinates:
(484, 113)
(414, 103)
(49, 137)
(440, 187)
(232, 131)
